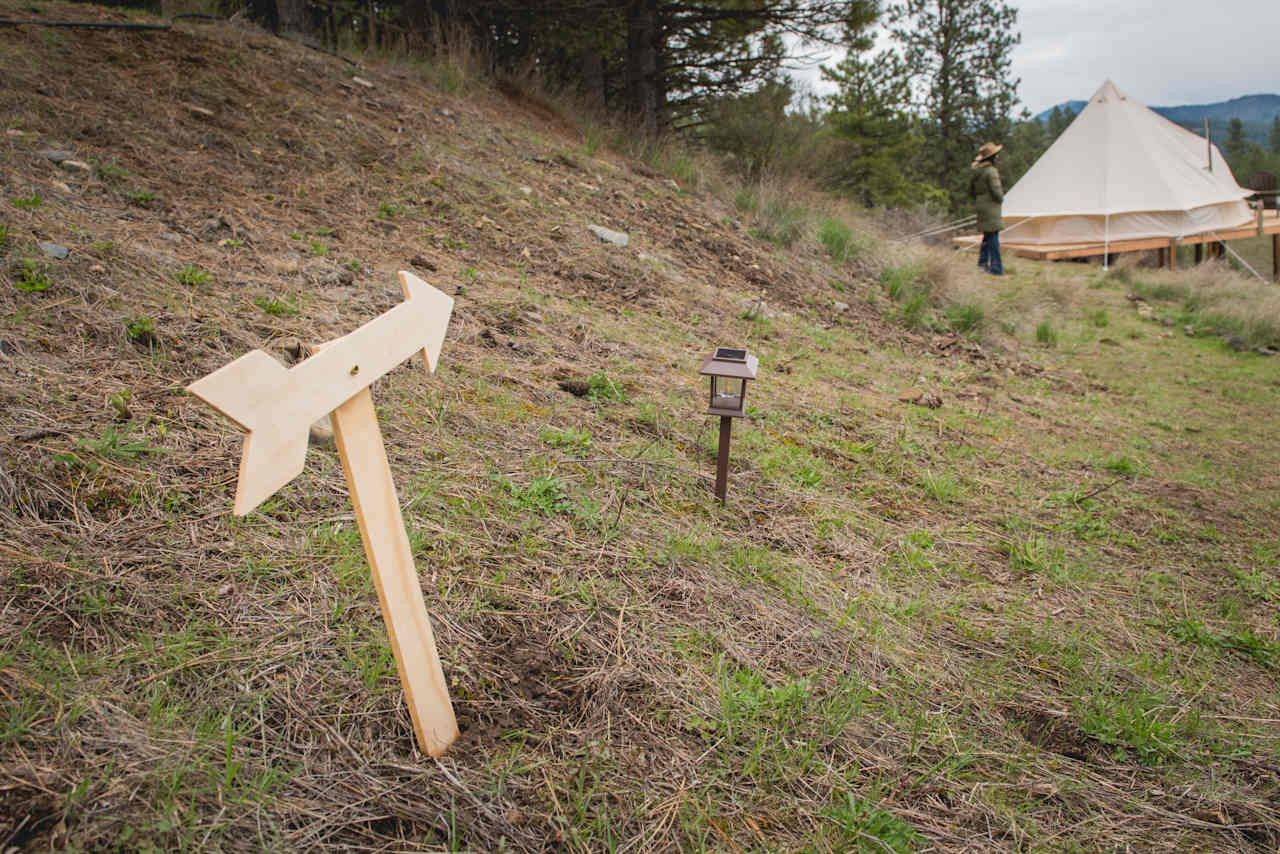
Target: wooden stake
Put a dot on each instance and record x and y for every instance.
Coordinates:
(1173, 255)
(386, 545)
(1208, 143)
(722, 462)
(1275, 256)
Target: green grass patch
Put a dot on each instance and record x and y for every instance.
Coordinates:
(191, 275)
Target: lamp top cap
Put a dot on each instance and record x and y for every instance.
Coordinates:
(731, 362)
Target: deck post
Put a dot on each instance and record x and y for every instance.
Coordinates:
(1275, 257)
(1173, 254)
(1199, 252)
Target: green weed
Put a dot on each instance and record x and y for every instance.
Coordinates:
(29, 203)
(571, 439)
(942, 488)
(1122, 465)
(4, 239)
(319, 248)
(866, 829)
(111, 172)
(1245, 642)
(1100, 318)
(1144, 725)
(1258, 584)
(837, 238)
(1046, 334)
(545, 495)
(277, 307)
(33, 277)
(966, 317)
(602, 389)
(191, 275)
(141, 330)
(141, 197)
(114, 444)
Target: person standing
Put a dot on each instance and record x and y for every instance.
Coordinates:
(987, 195)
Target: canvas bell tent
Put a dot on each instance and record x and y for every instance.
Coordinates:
(1122, 172)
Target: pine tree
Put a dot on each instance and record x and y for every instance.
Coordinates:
(959, 53)
(870, 116)
(1236, 143)
(1059, 120)
(1275, 135)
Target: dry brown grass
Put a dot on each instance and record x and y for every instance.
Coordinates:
(923, 627)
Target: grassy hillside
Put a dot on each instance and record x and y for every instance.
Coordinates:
(1043, 616)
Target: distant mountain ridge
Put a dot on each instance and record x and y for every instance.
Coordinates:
(1256, 111)
(1255, 108)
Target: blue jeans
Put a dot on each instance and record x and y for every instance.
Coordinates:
(989, 254)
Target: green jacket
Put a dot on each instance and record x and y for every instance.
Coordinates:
(987, 194)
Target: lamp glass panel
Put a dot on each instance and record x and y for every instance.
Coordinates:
(726, 393)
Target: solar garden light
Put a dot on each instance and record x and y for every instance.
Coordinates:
(729, 369)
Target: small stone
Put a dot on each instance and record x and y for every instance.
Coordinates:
(53, 250)
(1190, 330)
(321, 433)
(1266, 351)
(528, 191)
(7, 348)
(335, 278)
(1235, 342)
(55, 155)
(97, 268)
(361, 81)
(921, 398)
(422, 262)
(61, 187)
(929, 399)
(288, 264)
(77, 165)
(213, 227)
(840, 306)
(608, 235)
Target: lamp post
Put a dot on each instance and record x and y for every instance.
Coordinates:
(729, 369)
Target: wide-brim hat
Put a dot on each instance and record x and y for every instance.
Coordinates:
(987, 151)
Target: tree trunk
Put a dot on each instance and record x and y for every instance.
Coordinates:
(593, 80)
(644, 86)
(293, 17)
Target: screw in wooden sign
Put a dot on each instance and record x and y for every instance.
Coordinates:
(277, 406)
(729, 369)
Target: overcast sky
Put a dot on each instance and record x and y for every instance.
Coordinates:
(1160, 52)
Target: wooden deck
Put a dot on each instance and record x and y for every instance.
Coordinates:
(1269, 223)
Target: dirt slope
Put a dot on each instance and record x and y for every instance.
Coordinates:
(1042, 617)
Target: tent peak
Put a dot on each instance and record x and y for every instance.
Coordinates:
(1108, 91)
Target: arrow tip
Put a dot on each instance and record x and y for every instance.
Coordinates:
(439, 307)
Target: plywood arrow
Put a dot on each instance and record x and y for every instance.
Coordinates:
(277, 405)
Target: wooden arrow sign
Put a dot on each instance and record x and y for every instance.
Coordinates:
(276, 406)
